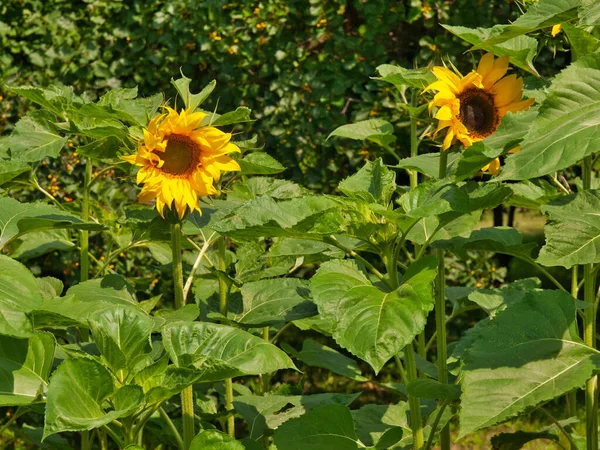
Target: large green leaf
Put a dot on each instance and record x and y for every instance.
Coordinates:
(375, 424)
(214, 440)
(373, 183)
(323, 428)
(191, 101)
(372, 324)
(33, 139)
(17, 219)
(122, 335)
(399, 76)
(270, 411)
(528, 354)
(567, 126)
(260, 163)
(53, 98)
(19, 296)
(521, 50)
(589, 13)
(572, 231)
(582, 42)
(267, 302)
(38, 243)
(24, 367)
(76, 396)
(220, 351)
(12, 169)
(427, 164)
(375, 130)
(543, 14)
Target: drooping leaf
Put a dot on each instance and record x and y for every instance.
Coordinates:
(532, 194)
(582, 42)
(373, 422)
(572, 231)
(260, 163)
(76, 394)
(38, 243)
(24, 367)
(495, 300)
(220, 351)
(240, 115)
(529, 353)
(12, 169)
(364, 130)
(373, 183)
(34, 138)
(214, 440)
(566, 127)
(322, 428)
(399, 76)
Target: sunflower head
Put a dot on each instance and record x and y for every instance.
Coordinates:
(180, 159)
(472, 106)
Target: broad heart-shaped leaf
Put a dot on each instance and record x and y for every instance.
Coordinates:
(589, 13)
(260, 163)
(543, 14)
(495, 300)
(532, 194)
(34, 138)
(364, 130)
(375, 421)
(319, 355)
(270, 411)
(122, 335)
(12, 169)
(373, 183)
(220, 351)
(325, 428)
(76, 394)
(24, 367)
(19, 296)
(582, 43)
(528, 354)
(267, 302)
(572, 231)
(567, 126)
(521, 50)
(399, 76)
(427, 164)
(240, 115)
(192, 101)
(428, 388)
(53, 98)
(214, 440)
(17, 219)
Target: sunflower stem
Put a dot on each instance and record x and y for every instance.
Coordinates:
(85, 216)
(440, 316)
(589, 332)
(414, 145)
(223, 310)
(187, 394)
(416, 424)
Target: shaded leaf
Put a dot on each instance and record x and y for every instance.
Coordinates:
(373, 183)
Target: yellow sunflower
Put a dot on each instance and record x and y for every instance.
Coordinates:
(471, 106)
(180, 159)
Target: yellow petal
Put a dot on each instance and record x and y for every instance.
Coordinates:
(507, 90)
(447, 75)
(444, 113)
(448, 140)
(518, 106)
(556, 29)
(486, 64)
(499, 70)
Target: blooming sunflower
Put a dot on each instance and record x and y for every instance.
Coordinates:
(180, 159)
(471, 106)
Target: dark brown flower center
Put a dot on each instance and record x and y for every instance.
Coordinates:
(181, 156)
(478, 112)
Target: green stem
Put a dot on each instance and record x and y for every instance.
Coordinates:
(435, 423)
(589, 332)
(115, 437)
(564, 432)
(86, 443)
(414, 145)
(223, 310)
(187, 394)
(85, 216)
(572, 396)
(414, 402)
(172, 427)
(266, 378)
(440, 316)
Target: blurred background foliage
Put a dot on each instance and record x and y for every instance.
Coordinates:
(302, 66)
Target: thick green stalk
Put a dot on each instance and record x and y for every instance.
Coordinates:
(85, 216)
(223, 310)
(416, 424)
(589, 332)
(440, 317)
(414, 175)
(187, 395)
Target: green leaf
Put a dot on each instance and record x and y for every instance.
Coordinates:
(567, 125)
(260, 163)
(53, 98)
(543, 14)
(428, 388)
(494, 300)
(123, 105)
(214, 440)
(188, 313)
(33, 245)
(582, 42)
(399, 76)
(516, 440)
(19, 296)
(427, 164)
(24, 368)
(532, 194)
(373, 422)
(521, 50)
(363, 130)
(105, 149)
(122, 335)
(220, 351)
(572, 231)
(318, 355)
(110, 289)
(50, 287)
(12, 169)
(241, 114)
(270, 411)
(33, 140)
(373, 183)
(528, 354)
(77, 392)
(322, 428)
(268, 302)
(192, 101)
(17, 219)
(589, 14)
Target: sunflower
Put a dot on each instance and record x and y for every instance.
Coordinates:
(472, 106)
(180, 159)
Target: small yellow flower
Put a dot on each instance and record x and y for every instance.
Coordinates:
(261, 26)
(214, 36)
(180, 159)
(556, 29)
(232, 50)
(256, 11)
(425, 10)
(322, 23)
